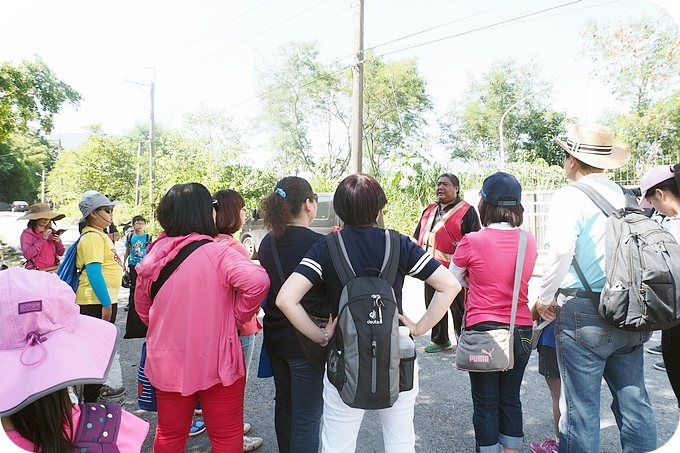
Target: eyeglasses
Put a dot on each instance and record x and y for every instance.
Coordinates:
(315, 197)
(106, 210)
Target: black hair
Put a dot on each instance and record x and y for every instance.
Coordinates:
(453, 178)
(358, 200)
(285, 202)
(490, 213)
(185, 209)
(137, 218)
(228, 211)
(47, 423)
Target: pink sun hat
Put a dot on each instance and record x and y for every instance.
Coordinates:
(655, 176)
(45, 343)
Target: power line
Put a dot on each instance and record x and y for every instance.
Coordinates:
(248, 38)
(165, 57)
(485, 27)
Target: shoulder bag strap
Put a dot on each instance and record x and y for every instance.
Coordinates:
(519, 265)
(277, 260)
(341, 263)
(172, 265)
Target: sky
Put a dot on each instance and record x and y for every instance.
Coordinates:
(202, 52)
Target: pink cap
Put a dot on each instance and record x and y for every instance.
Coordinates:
(45, 344)
(653, 177)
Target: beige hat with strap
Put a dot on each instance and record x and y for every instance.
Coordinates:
(594, 144)
(41, 211)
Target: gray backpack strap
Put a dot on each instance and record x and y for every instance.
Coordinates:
(343, 266)
(392, 251)
(595, 196)
(341, 263)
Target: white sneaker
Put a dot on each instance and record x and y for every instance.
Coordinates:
(252, 443)
(246, 428)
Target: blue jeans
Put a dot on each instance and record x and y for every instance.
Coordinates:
(588, 349)
(497, 414)
(299, 404)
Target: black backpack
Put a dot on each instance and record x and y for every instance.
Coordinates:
(642, 267)
(363, 357)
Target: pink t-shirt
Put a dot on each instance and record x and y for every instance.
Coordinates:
(133, 431)
(489, 256)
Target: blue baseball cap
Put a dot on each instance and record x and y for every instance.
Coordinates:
(501, 185)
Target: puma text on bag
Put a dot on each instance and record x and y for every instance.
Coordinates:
(642, 266)
(363, 356)
(492, 350)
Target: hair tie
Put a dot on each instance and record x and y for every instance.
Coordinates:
(281, 192)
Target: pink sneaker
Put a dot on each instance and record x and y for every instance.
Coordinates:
(547, 446)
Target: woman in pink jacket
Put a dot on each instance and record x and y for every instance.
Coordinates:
(40, 244)
(193, 349)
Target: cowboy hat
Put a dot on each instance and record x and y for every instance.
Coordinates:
(45, 343)
(41, 211)
(594, 145)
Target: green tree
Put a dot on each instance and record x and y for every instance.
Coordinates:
(102, 163)
(395, 104)
(21, 157)
(638, 59)
(296, 86)
(31, 93)
(471, 128)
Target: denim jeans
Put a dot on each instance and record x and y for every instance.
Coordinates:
(497, 413)
(588, 349)
(299, 404)
(248, 345)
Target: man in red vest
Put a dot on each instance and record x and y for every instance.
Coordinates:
(439, 231)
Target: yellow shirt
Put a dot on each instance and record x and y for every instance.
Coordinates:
(97, 248)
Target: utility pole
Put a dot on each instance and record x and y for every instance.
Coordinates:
(152, 149)
(138, 183)
(152, 140)
(358, 91)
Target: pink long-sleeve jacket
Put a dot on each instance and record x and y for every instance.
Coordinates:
(42, 252)
(192, 342)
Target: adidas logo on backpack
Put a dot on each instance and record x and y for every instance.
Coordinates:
(363, 358)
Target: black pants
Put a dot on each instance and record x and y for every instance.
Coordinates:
(670, 348)
(133, 283)
(91, 391)
(440, 331)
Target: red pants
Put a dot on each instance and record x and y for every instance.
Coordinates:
(222, 412)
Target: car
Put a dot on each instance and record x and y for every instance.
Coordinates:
(326, 221)
(20, 206)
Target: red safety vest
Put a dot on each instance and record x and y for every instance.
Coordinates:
(442, 239)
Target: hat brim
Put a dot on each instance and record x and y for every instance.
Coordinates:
(42, 215)
(110, 203)
(81, 356)
(617, 159)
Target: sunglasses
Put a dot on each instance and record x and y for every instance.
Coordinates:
(315, 197)
(106, 210)
(216, 205)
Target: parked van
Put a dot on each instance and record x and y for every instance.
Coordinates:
(325, 222)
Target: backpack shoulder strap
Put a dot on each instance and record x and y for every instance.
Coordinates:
(392, 252)
(341, 263)
(169, 268)
(148, 239)
(595, 196)
(275, 255)
(128, 240)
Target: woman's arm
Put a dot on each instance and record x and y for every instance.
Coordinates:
(288, 301)
(31, 244)
(96, 278)
(445, 289)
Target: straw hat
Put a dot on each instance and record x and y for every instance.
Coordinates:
(41, 211)
(594, 145)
